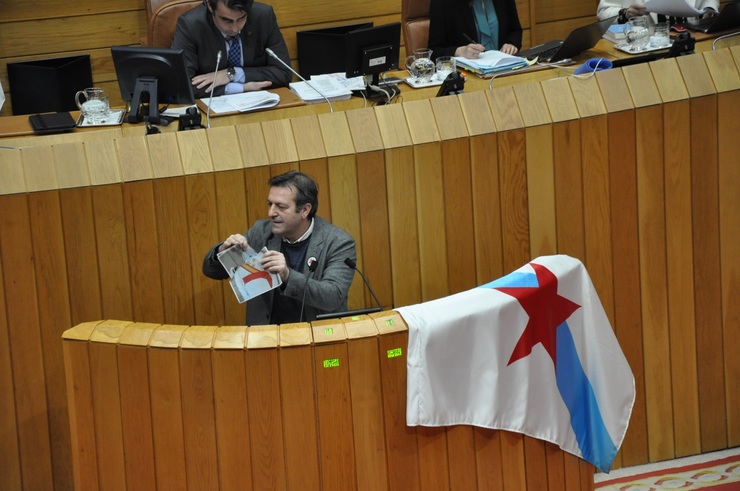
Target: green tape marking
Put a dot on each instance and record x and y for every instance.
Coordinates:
(392, 353)
(331, 363)
(355, 317)
(389, 322)
(329, 330)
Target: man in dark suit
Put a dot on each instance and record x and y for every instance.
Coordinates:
(240, 30)
(307, 252)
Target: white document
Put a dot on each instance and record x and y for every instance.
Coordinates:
(246, 276)
(492, 59)
(674, 8)
(246, 101)
(319, 87)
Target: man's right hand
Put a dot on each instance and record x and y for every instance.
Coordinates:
(232, 240)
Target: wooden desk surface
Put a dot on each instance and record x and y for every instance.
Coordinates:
(291, 106)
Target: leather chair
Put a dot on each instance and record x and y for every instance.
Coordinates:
(415, 20)
(163, 20)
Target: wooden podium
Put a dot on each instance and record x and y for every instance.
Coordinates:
(317, 406)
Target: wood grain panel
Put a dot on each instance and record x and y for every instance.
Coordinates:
(421, 123)
(641, 85)
(696, 75)
(164, 155)
(265, 428)
(15, 11)
(136, 417)
(308, 139)
(729, 208)
(461, 458)
(458, 205)
(514, 206)
(141, 237)
(394, 130)
(668, 80)
(232, 419)
(484, 166)
(38, 163)
(364, 358)
(102, 160)
(133, 155)
(477, 113)
(651, 219)
(167, 418)
(569, 188)
(257, 191)
(10, 464)
(707, 271)
(334, 414)
(614, 90)
(279, 141)
(71, 165)
(252, 145)
(12, 170)
(555, 461)
(559, 99)
(680, 283)
(624, 241)
(336, 135)
(431, 214)
(107, 410)
(535, 458)
(196, 158)
(512, 461)
(198, 417)
(172, 222)
(374, 224)
(449, 117)
(300, 419)
(504, 108)
(402, 221)
(403, 459)
(541, 188)
(587, 96)
(54, 315)
(433, 466)
(223, 143)
(723, 70)
(488, 458)
(532, 104)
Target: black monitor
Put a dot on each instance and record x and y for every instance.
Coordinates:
(353, 49)
(149, 77)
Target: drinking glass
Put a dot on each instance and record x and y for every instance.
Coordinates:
(661, 36)
(445, 66)
(638, 33)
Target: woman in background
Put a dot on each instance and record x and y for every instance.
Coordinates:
(467, 28)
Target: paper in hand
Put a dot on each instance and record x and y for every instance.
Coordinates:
(246, 276)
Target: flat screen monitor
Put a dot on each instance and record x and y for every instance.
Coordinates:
(149, 77)
(352, 49)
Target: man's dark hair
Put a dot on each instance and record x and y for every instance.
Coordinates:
(306, 191)
(240, 5)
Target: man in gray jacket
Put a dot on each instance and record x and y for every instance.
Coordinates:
(240, 30)
(306, 251)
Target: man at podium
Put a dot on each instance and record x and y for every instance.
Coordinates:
(306, 251)
(238, 30)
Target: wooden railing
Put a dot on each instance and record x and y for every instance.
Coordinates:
(299, 406)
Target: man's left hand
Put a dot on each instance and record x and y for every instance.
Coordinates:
(274, 262)
(206, 80)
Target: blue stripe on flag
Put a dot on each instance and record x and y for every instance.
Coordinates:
(515, 279)
(593, 438)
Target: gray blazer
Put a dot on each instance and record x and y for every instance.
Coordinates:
(201, 40)
(326, 288)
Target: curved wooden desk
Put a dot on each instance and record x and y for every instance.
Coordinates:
(297, 406)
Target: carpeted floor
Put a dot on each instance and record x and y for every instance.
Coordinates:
(716, 471)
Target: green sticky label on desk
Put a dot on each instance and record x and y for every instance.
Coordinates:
(331, 363)
(329, 330)
(393, 353)
(389, 322)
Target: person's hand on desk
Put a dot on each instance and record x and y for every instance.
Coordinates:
(471, 51)
(205, 80)
(509, 49)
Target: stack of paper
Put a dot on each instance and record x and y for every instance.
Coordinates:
(246, 101)
(616, 33)
(319, 87)
(491, 63)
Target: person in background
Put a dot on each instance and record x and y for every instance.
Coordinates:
(467, 28)
(296, 239)
(240, 30)
(626, 9)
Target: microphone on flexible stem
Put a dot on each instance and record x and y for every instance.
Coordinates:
(213, 86)
(349, 262)
(312, 265)
(272, 53)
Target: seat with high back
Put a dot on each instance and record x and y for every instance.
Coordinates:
(415, 20)
(163, 21)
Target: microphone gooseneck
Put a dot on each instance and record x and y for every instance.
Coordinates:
(349, 262)
(312, 265)
(213, 86)
(272, 53)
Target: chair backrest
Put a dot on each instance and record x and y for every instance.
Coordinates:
(415, 20)
(163, 21)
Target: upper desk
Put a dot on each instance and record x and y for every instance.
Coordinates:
(291, 106)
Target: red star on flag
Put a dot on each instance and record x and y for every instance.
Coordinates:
(546, 310)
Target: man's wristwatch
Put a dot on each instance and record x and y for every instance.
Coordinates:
(231, 73)
(622, 19)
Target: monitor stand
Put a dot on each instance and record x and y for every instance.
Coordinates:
(370, 93)
(145, 103)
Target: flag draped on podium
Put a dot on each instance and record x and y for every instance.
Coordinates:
(532, 352)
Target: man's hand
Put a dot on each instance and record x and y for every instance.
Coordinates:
(252, 86)
(636, 10)
(233, 240)
(274, 262)
(206, 80)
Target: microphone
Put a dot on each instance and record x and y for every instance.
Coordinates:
(349, 262)
(272, 53)
(213, 86)
(312, 265)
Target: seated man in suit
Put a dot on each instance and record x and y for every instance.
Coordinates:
(307, 252)
(240, 30)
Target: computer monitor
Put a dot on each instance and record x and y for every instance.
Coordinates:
(149, 77)
(352, 49)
